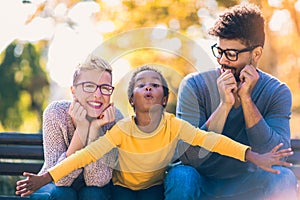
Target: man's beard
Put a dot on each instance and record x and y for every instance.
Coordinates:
(233, 71)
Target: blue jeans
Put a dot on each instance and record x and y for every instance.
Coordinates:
(153, 193)
(53, 192)
(184, 182)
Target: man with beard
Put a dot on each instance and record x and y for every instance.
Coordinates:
(242, 102)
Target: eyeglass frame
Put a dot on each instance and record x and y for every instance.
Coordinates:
(235, 50)
(97, 86)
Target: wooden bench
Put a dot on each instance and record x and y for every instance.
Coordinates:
(295, 158)
(21, 152)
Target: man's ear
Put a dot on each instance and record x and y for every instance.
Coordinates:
(257, 53)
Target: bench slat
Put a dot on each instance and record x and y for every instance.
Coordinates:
(295, 158)
(295, 144)
(12, 197)
(21, 152)
(17, 169)
(21, 138)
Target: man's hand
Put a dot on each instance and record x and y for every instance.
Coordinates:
(249, 77)
(227, 86)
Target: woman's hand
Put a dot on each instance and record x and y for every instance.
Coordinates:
(107, 116)
(267, 160)
(32, 183)
(78, 115)
(80, 137)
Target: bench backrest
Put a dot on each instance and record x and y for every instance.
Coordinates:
(20, 152)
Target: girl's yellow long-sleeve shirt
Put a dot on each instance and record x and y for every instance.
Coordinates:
(143, 157)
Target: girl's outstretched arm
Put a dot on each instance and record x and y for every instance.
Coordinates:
(267, 160)
(32, 183)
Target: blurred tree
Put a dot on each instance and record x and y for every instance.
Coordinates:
(227, 3)
(24, 85)
(192, 18)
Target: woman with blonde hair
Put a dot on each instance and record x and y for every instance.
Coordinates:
(70, 126)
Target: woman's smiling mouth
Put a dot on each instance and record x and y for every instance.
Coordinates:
(95, 104)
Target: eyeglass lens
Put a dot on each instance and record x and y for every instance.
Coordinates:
(230, 54)
(92, 87)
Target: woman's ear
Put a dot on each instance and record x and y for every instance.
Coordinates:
(72, 88)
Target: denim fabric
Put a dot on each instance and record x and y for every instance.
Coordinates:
(152, 193)
(184, 182)
(53, 192)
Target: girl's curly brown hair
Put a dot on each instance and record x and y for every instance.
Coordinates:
(147, 67)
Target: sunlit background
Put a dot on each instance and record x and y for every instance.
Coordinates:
(63, 32)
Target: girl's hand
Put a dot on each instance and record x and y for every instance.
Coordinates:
(32, 183)
(267, 160)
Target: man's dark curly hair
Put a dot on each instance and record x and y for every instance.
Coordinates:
(243, 22)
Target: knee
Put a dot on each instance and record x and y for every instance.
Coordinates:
(183, 178)
(286, 181)
(286, 177)
(283, 185)
(44, 192)
(182, 173)
(181, 181)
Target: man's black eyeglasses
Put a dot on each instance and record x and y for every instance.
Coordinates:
(230, 54)
(91, 87)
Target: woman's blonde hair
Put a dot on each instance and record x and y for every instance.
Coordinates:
(92, 62)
